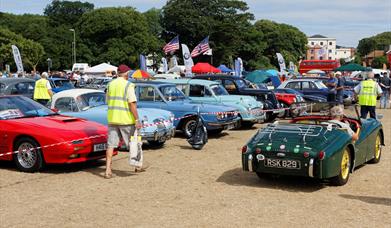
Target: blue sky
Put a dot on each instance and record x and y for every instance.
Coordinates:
(346, 20)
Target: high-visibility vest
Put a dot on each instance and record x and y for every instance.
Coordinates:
(117, 101)
(40, 90)
(368, 93)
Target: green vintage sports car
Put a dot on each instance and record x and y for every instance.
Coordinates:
(311, 146)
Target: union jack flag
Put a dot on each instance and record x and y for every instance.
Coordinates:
(172, 46)
(201, 47)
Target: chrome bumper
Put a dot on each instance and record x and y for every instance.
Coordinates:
(160, 134)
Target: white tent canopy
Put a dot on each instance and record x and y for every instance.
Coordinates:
(101, 68)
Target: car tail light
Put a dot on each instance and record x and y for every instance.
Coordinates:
(258, 150)
(321, 155)
(244, 149)
(306, 154)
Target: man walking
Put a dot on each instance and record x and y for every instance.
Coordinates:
(368, 91)
(332, 85)
(340, 87)
(122, 113)
(385, 85)
(43, 91)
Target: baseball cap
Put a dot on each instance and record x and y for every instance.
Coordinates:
(123, 68)
(338, 73)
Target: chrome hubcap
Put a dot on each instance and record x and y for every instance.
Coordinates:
(27, 155)
(190, 126)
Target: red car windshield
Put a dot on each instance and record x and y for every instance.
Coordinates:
(15, 107)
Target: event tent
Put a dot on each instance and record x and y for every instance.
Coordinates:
(101, 69)
(224, 69)
(261, 76)
(200, 68)
(352, 67)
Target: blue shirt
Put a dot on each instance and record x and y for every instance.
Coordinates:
(332, 88)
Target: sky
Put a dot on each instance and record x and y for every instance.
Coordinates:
(346, 20)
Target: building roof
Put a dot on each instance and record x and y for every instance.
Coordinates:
(317, 36)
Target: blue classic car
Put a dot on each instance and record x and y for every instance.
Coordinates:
(314, 87)
(90, 104)
(166, 96)
(212, 92)
(60, 84)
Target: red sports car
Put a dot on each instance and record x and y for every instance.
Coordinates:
(33, 135)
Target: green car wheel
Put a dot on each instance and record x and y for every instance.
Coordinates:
(344, 172)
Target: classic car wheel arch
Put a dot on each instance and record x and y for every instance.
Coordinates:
(17, 138)
(184, 119)
(382, 136)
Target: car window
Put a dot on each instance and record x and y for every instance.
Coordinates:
(66, 104)
(148, 93)
(241, 83)
(229, 85)
(171, 93)
(23, 88)
(182, 87)
(197, 91)
(90, 100)
(305, 85)
(293, 85)
(219, 90)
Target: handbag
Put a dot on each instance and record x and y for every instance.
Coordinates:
(136, 155)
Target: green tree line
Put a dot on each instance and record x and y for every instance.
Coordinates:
(119, 34)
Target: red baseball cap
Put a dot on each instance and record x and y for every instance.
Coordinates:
(123, 68)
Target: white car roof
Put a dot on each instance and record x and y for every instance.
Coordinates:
(73, 93)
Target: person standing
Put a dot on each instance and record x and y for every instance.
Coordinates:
(332, 85)
(385, 85)
(122, 113)
(367, 92)
(340, 87)
(42, 90)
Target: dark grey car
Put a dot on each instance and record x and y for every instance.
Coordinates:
(17, 86)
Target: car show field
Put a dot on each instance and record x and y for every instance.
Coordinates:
(185, 188)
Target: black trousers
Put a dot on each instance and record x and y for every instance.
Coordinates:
(365, 109)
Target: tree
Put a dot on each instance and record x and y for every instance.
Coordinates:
(282, 38)
(380, 41)
(66, 12)
(31, 52)
(117, 35)
(226, 22)
(153, 19)
(379, 61)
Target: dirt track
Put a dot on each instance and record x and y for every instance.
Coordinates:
(188, 188)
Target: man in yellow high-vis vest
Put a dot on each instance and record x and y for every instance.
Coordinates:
(42, 90)
(122, 113)
(368, 91)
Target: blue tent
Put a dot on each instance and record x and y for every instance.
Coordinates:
(224, 69)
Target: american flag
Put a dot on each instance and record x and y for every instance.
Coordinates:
(172, 46)
(201, 47)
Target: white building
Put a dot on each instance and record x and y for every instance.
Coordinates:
(345, 53)
(321, 48)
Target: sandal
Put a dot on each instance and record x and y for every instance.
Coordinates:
(108, 175)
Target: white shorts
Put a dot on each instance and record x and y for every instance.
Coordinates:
(116, 132)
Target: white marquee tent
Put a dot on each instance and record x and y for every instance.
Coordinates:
(101, 69)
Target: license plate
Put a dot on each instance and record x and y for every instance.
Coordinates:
(100, 147)
(279, 163)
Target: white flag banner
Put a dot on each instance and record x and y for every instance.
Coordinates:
(281, 62)
(187, 60)
(165, 65)
(208, 52)
(291, 66)
(17, 58)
